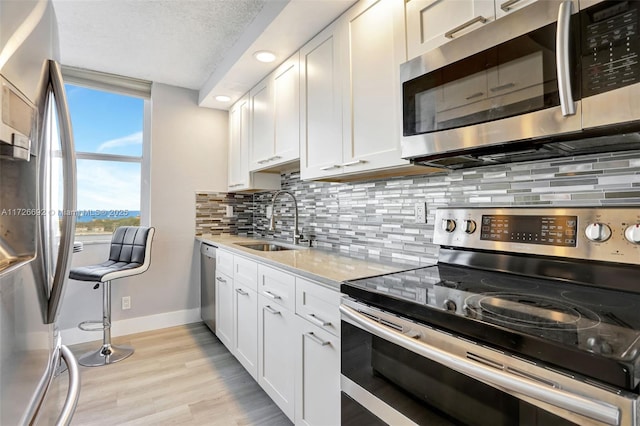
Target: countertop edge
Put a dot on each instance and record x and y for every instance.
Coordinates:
(325, 282)
(372, 267)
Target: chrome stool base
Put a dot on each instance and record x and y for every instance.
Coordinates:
(107, 354)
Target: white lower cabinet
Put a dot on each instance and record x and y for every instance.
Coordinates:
(285, 331)
(245, 322)
(276, 353)
(224, 309)
(317, 376)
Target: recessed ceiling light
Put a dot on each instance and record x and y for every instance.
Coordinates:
(223, 98)
(264, 56)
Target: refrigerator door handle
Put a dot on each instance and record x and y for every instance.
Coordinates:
(68, 226)
(73, 393)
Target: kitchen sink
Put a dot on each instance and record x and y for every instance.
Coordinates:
(265, 246)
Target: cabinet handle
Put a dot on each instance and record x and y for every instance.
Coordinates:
(475, 95)
(271, 310)
(502, 87)
(266, 160)
(507, 4)
(318, 321)
(316, 339)
(271, 295)
(236, 185)
(353, 163)
(241, 292)
(480, 18)
(333, 166)
(221, 280)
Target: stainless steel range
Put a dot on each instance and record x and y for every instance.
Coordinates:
(531, 316)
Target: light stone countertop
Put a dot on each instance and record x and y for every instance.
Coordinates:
(324, 266)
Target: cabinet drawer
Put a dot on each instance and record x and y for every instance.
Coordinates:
(318, 305)
(277, 286)
(224, 262)
(245, 272)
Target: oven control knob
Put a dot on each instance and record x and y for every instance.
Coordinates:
(632, 233)
(469, 311)
(449, 305)
(469, 226)
(448, 225)
(598, 232)
(599, 345)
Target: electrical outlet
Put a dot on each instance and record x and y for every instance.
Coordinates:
(229, 211)
(269, 212)
(421, 212)
(126, 303)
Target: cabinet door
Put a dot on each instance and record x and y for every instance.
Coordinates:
(224, 310)
(321, 105)
(286, 100)
(429, 21)
(262, 125)
(372, 107)
(239, 145)
(317, 376)
(246, 328)
(276, 349)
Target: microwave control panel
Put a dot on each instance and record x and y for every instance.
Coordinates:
(610, 47)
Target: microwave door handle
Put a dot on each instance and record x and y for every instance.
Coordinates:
(69, 203)
(562, 58)
(500, 379)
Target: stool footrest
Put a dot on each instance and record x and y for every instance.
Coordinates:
(93, 326)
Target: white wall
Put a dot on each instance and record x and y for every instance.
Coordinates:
(188, 153)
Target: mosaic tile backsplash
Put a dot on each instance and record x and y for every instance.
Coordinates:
(377, 217)
(211, 213)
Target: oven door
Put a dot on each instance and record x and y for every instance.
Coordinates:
(396, 371)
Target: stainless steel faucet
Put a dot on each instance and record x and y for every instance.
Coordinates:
(297, 236)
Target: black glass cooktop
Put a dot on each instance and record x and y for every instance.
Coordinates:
(594, 332)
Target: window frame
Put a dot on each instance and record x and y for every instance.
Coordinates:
(128, 87)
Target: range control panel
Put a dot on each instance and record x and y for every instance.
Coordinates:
(545, 230)
(610, 234)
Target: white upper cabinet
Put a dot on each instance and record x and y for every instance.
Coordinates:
(240, 179)
(371, 111)
(239, 145)
(321, 105)
(275, 113)
(431, 23)
(350, 100)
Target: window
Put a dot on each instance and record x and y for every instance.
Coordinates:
(109, 136)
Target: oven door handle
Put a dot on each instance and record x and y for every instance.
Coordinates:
(512, 384)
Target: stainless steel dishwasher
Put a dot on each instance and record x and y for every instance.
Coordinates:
(207, 285)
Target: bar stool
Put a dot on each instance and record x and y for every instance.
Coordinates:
(130, 254)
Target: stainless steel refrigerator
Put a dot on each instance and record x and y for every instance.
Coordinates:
(37, 201)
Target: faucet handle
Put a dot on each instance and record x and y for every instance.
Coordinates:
(308, 240)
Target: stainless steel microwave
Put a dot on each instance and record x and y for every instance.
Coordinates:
(556, 78)
(17, 120)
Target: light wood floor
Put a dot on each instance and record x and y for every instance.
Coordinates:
(177, 376)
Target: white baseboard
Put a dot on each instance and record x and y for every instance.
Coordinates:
(72, 336)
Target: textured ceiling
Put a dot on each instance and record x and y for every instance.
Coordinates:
(177, 42)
